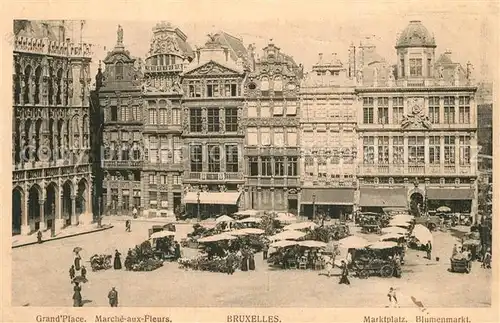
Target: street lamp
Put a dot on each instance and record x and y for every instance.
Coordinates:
(198, 200)
(314, 206)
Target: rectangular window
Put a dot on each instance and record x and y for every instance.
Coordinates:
(164, 150)
(252, 136)
(279, 137)
(136, 116)
(213, 158)
(449, 109)
(291, 108)
(415, 67)
(449, 150)
(309, 165)
(152, 179)
(213, 120)
(402, 63)
(292, 166)
(434, 150)
(232, 158)
(416, 148)
(279, 166)
(429, 67)
(176, 116)
(397, 110)
(177, 180)
(398, 150)
(434, 109)
(265, 163)
(177, 150)
(234, 90)
(368, 150)
(383, 110)
(125, 114)
(163, 179)
(196, 158)
(163, 116)
(278, 109)
(253, 166)
(383, 150)
(367, 110)
(212, 89)
(464, 150)
(231, 119)
(291, 134)
(265, 111)
(195, 120)
(265, 136)
(153, 116)
(252, 110)
(464, 110)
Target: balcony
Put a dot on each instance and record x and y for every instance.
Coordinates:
(414, 170)
(164, 68)
(206, 176)
(122, 163)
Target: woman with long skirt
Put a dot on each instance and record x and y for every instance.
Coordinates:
(117, 262)
(244, 262)
(77, 261)
(251, 262)
(77, 296)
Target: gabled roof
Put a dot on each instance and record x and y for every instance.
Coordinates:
(235, 45)
(35, 29)
(213, 67)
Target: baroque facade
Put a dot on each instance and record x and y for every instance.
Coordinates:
(271, 120)
(213, 134)
(51, 141)
(327, 139)
(416, 127)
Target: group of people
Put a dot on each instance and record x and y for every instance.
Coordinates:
(247, 259)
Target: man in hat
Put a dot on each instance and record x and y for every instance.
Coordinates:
(39, 236)
(72, 272)
(113, 297)
(392, 297)
(84, 272)
(428, 248)
(345, 272)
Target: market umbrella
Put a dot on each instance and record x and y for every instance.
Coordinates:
(250, 220)
(217, 237)
(403, 217)
(301, 226)
(443, 209)
(283, 244)
(285, 214)
(402, 223)
(312, 244)
(77, 249)
(287, 235)
(391, 236)
(471, 242)
(248, 212)
(383, 245)
(162, 234)
(224, 218)
(422, 234)
(353, 242)
(394, 230)
(253, 231)
(79, 279)
(237, 233)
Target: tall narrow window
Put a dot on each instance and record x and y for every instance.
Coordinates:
(397, 110)
(125, 115)
(164, 146)
(195, 120)
(434, 150)
(253, 166)
(153, 116)
(232, 158)
(196, 158)
(416, 147)
(214, 158)
(114, 113)
(398, 150)
(279, 166)
(309, 166)
(415, 67)
(367, 110)
(464, 150)
(176, 116)
(292, 166)
(231, 116)
(291, 137)
(403, 67)
(368, 150)
(163, 113)
(383, 150)
(252, 136)
(119, 71)
(266, 166)
(429, 66)
(449, 109)
(265, 136)
(264, 85)
(136, 113)
(177, 150)
(153, 150)
(213, 120)
(449, 150)
(464, 110)
(278, 85)
(383, 110)
(279, 137)
(434, 109)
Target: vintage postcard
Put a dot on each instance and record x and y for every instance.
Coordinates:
(249, 161)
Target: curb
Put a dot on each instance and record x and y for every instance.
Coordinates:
(153, 221)
(62, 237)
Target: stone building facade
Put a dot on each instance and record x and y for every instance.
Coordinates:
(271, 120)
(213, 134)
(417, 127)
(327, 139)
(50, 152)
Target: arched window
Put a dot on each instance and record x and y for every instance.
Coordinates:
(17, 85)
(278, 84)
(59, 86)
(153, 116)
(51, 85)
(27, 84)
(38, 76)
(264, 84)
(119, 71)
(38, 138)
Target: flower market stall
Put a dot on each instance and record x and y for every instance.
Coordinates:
(142, 258)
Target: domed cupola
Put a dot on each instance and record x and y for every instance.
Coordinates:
(416, 35)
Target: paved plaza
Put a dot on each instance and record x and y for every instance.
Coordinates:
(40, 278)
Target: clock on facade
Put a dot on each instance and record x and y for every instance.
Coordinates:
(291, 86)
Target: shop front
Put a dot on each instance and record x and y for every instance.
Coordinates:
(211, 204)
(336, 203)
(376, 199)
(459, 200)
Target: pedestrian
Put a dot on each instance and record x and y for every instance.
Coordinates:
(251, 261)
(39, 236)
(113, 297)
(72, 272)
(84, 272)
(454, 251)
(265, 250)
(77, 295)
(397, 265)
(127, 225)
(177, 250)
(344, 279)
(117, 264)
(393, 300)
(328, 264)
(78, 258)
(429, 250)
(244, 261)
(230, 264)
(487, 259)
(134, 212)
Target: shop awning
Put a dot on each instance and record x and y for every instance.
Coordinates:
(226, 198)
(383, 197)
(450, 194)
(328, 196)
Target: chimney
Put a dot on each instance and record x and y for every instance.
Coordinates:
(198, 54)
(226, 53)
(334, 57)
(448, 53)
(320, 57)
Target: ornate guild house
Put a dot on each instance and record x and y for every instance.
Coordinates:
(416, 127)
(50, 128)
(271, 121)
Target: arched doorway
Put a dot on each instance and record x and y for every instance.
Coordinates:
(50, 206)
(416, 204)
(34, 206)
(81, 197)
(66, 202)
(17, 210)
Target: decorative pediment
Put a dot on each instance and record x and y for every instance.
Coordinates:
(212, 68)
(416, 118)
(119, 56)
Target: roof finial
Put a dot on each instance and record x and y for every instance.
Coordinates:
(119, 34)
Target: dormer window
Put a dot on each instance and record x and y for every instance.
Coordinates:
(271, 53)
(415, 67)
(119, 71)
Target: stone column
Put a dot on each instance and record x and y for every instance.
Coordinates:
(405, 153)
(25, 227)
(272, 191)
(457, 154)
(43, 224)
(170, 194)
(59, 220)
(391, 150)
(74, 218)
(391, 114)
(426, 149)
(375, 151)
(441, 154)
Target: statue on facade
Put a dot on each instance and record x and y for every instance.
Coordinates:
(441, 72)
(359, 77)
(470, 68)
(119, 34)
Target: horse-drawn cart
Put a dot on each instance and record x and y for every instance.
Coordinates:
(460, 265)
(100, 262)
(374, 267)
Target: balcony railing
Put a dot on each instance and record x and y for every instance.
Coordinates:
(123, 163)
(411, 169)
(165, 68)
(50, 47)
(206, 176)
